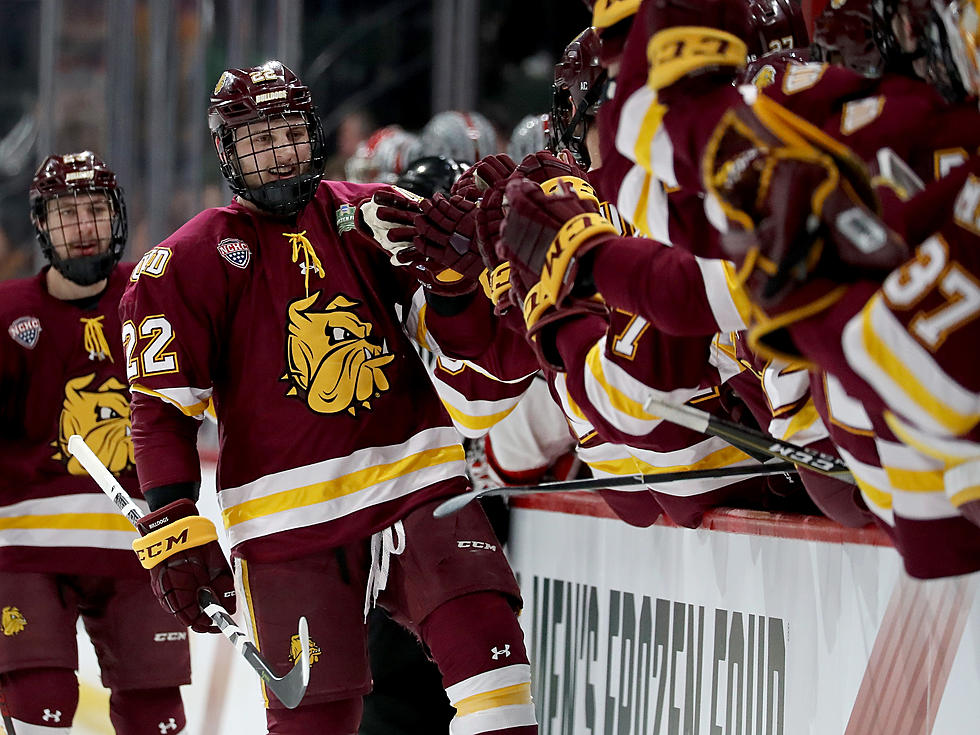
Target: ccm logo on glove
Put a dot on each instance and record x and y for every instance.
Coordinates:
(182, 534)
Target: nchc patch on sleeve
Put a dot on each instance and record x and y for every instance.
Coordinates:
(25, 331)
(235, 251)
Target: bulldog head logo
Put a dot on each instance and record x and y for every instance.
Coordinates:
(331, 358)
(13, 621)
(296, 650)
(101, 418)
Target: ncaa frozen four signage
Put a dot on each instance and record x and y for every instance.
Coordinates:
(667, 631)
(612, 661)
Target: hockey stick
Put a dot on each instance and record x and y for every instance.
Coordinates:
(704, 422)
(289, 689)
(611, 483)
(8, 721)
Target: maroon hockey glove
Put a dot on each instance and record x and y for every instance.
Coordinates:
(388, 219)
(482, 175)
(803, 216)
(545, 237)
(530, 225)
(181, 551)
(543, 166)
(446, 233)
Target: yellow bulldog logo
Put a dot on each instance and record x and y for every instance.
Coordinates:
(13, 620)
(296, 650)
(101, 418)
(331, 358)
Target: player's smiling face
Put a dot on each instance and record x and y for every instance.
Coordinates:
(272, 150)
(79, 224)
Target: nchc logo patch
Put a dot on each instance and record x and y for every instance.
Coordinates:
(25, 331)
(235, 251)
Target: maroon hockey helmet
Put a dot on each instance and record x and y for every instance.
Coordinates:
(842, 34)
(776, 25)
(69, 177)
(267, 94)
(577, 94)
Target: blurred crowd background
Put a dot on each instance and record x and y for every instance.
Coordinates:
(130, 79)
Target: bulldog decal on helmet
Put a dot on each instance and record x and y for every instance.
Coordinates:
(332, 360)
(101, 418)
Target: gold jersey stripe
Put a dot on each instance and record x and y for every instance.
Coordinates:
(338, 487)
(503, 697)
(897, 370)
(477, 423)
(87, 521)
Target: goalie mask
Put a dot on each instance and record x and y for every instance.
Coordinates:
(268, 137)
(577, 94)
(79, 216)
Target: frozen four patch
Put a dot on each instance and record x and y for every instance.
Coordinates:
(345, 219)
(25, 331)
(235, 251)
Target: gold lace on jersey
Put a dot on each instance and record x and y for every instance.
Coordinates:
(299, 242)
(94, 339)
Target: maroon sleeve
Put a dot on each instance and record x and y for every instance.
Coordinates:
(673, 298)
(164, 442)
(464, 327)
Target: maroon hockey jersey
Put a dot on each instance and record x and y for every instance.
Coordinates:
(329, 428)
(62, 372)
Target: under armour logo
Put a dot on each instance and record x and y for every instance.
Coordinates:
(51, 716)
(505, 652)
(168, 725)
(305, 268)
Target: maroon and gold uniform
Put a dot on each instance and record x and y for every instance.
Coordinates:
(330, 434)
(61, 373)
(292, 328)
(65, 551)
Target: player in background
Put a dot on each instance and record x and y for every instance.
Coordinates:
(334, 446)
(464, 136)
(64, 549)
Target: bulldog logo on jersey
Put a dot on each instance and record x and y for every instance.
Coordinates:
(25, 331)
(331, 358)
(101, 418)
(296, 650)
(13, 620)
(235, 251)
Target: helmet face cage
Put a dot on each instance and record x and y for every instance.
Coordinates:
(76, 203)
(268, 137)
(577, 94)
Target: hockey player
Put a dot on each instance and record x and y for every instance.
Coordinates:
(64, 549)
(334, 447)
